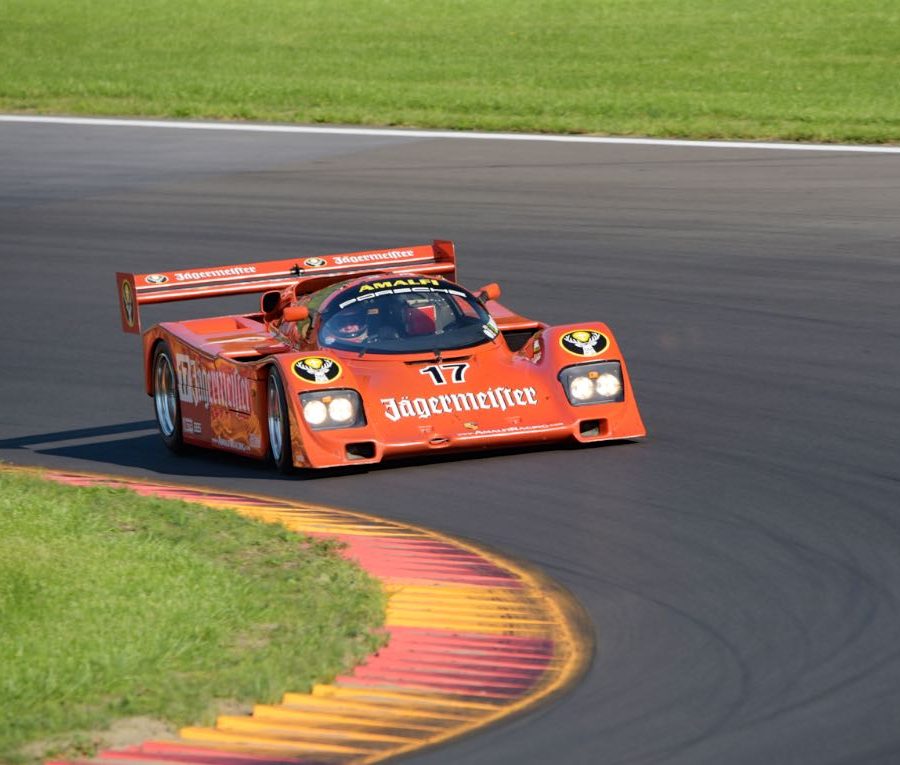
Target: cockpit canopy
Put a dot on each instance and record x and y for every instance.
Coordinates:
(403, 314)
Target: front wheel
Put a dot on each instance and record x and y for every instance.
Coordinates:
(166, 403)
(278, 420)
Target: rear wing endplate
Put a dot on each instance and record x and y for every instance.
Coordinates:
(136, 290)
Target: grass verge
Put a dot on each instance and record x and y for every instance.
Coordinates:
(116, 606)
(823, 70)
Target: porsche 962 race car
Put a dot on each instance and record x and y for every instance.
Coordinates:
(357, 357)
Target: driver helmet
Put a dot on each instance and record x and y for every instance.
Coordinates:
(350, 324)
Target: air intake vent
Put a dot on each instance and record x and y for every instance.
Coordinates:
(593, 428)
(362, 450)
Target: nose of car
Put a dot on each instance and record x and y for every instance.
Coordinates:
(454, 394)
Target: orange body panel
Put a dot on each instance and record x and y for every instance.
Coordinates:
(480, 397)
(503, 399)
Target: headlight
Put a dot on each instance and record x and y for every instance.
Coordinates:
(581, 388)
(315, 412)
(599, 383)
(608, 385)
(332, 409)
(341, 409)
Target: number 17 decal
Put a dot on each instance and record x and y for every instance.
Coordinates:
(438, 376)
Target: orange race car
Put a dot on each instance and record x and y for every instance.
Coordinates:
(356, 357)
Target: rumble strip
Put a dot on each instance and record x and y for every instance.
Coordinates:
(474, 638)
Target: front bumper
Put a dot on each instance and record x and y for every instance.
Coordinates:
(372, 444)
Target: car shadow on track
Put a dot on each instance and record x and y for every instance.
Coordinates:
(111, 445)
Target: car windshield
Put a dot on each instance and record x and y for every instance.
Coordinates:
(405, 315)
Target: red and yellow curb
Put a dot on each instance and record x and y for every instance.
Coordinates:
(474, 638)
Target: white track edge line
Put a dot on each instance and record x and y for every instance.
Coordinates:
(398, 133)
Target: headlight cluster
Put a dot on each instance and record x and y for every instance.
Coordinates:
(332, 409)
(599, 383)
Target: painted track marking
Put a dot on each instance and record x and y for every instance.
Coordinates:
(474, 638)
(433, 134)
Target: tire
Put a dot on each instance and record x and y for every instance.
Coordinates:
(279, 424)
(166, 403)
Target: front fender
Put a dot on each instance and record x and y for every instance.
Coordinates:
(555, 348)
(302, 372)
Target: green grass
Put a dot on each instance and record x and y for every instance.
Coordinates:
(824, 70)
(113, 605)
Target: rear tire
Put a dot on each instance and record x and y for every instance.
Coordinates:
(279, 424)
(166, 402)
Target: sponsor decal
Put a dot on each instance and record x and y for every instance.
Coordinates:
(423, 408)
(536, 351)
(584, 342)
(156, 278)
(315, 262)
(392, 284)
(192, 426)
(439, 372)
(511, 429)
(490, 329)
(187, 276)
(211, 387)
(317, 369)
(395, 286)
(230, 443)
(128, 302)
(344, 260)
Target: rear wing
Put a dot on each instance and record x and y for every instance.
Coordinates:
(136, 290)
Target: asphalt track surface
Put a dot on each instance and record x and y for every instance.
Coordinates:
(741, 566)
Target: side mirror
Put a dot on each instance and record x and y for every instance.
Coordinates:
(489, 292)
(296, 313)
(270, 302)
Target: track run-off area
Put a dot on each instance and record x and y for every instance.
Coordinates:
(741, 566)
(473, 638)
